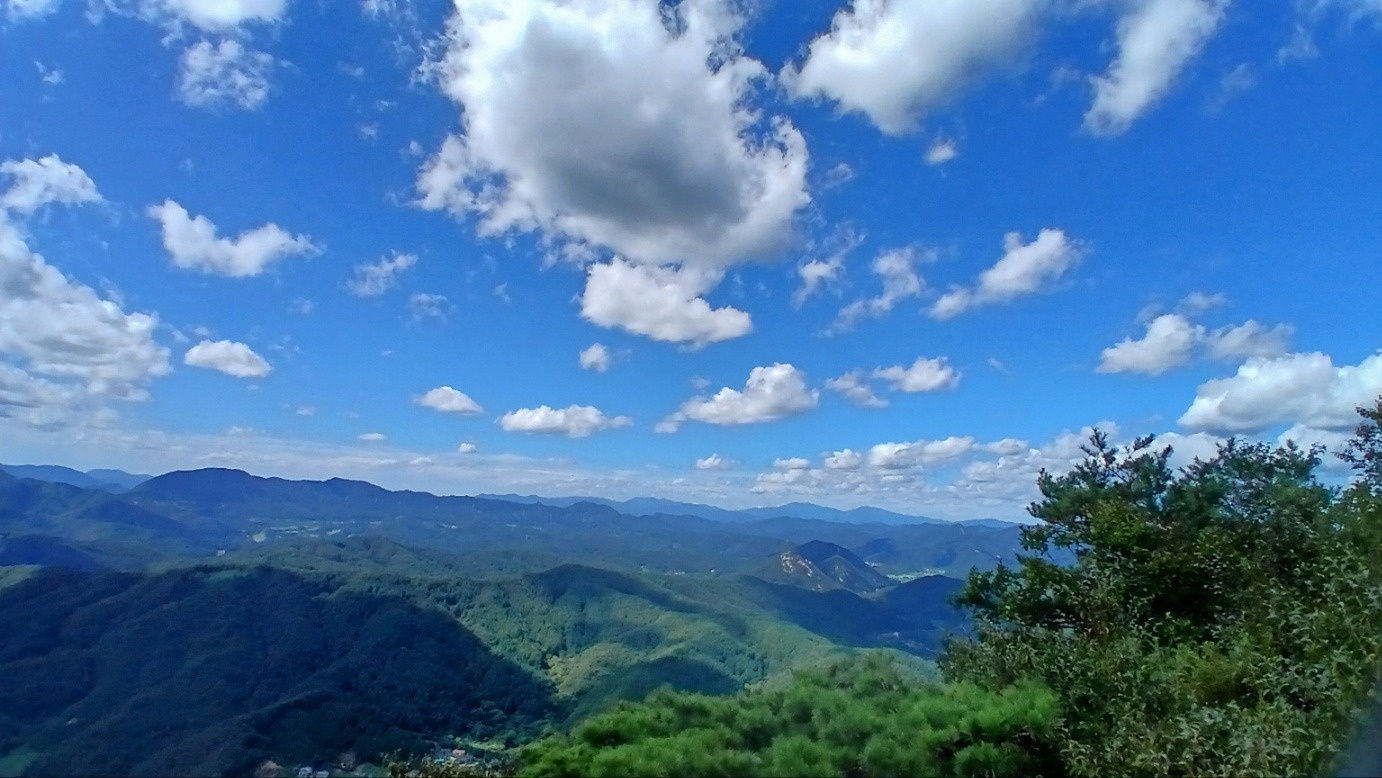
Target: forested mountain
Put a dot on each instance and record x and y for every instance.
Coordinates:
(363, 644)
(1220, 619)
(205, 671)
(195, 514)
(820, 566)
(222, 619)
(648, 506)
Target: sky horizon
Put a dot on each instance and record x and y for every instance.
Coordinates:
(902, 254)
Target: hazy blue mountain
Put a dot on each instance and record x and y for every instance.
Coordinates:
(105, 480)
(118, 480)
(199, 512)
(864, 515)
(39, 517)
(119, 477)
(648, 506)
(638, 506)
(59, 475)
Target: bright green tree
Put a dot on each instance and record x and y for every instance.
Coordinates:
(858, 718)
(1224, 618)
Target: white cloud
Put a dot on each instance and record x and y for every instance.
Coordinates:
(20, 10)
(1171, 340)
(217, 15)
(448, 400)
(713, 462)
(616, 123)
(893, 61)
(306, 411)
(660, 303)
(596, 358)
(1249, 339)
(924, 375)
(1024, 269)
(48, 75)
(1233, 83)
(1300, 46)
(575, 421)
(1011, 478)
(1356, 10)
(816, 273)
(374, 279)
(843, 460)
(855, 389)
(229, 357)
(467, 448)
(62, 346)
(771, 393)
(1306, 437)
(794, 463)
(1295, 388)
(838, 175)
(38, 182)
(423, 305)
(892, 456)
(897, 270)
(1006, 447)
(373, 437)
(1196, 303)
(1156, 40)
(941, 151)
(192, 243)
(224, 74)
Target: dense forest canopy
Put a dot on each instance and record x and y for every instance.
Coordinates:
(1221, 619)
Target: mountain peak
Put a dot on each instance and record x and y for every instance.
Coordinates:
(819, 566)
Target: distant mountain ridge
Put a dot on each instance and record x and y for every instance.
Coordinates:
(649, 506)
(106, 480)
(198, 513)
(118, 481)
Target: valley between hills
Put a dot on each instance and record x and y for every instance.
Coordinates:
(214, 622)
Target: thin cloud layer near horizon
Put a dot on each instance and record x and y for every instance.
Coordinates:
(901, 254)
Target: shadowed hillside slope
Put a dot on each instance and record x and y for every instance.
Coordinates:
(204, 671)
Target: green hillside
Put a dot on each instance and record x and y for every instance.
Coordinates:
(1220, 619)
(367, 645)
(208, 671)
(218, 619)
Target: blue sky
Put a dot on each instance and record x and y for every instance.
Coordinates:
(899, 254)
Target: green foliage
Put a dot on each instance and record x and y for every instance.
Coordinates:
(1226, 618)
(370, 646)
(205, 671)
(862, 718)
(1364, 452)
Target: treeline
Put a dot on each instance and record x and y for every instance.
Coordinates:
(1225, 618)
(862, 718)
